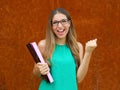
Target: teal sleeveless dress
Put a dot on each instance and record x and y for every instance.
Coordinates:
(63, 70)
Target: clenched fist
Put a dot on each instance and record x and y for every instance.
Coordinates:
(91, 45)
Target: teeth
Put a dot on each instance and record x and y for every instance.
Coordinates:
(60, 30)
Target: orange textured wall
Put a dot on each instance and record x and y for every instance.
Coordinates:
(23, 21)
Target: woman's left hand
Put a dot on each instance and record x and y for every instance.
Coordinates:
(90, 46)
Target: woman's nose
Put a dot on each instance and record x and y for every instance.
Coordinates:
(59, 24)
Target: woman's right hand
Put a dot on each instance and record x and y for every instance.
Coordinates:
(41, 69)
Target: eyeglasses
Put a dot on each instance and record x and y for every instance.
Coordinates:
(63, 22)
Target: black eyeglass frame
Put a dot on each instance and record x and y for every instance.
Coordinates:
(63, 22)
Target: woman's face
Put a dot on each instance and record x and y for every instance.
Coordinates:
(60, 25)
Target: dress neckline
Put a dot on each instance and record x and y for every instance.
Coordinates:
(60, 44)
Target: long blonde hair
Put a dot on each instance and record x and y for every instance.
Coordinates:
(70, 39)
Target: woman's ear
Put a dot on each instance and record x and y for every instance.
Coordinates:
(69, 22)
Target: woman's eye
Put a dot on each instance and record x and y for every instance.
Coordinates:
(64, 20)
(55, 22)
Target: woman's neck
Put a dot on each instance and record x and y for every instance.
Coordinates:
(61, 41)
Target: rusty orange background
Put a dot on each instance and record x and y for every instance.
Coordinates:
(23, 21)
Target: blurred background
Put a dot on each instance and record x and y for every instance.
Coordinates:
(24, 21)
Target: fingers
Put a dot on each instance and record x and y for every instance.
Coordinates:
(43, 68)
(92, 43)
(95, 39)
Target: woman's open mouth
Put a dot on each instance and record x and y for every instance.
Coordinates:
(62, 30)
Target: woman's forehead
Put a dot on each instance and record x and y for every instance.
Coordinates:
(59, 16)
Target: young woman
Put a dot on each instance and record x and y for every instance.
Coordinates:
(63, 54)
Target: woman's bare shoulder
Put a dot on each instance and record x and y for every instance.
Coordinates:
(80, 45)
(81, 50)
(41, 45)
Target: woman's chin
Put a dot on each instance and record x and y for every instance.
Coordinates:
(61, 36)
